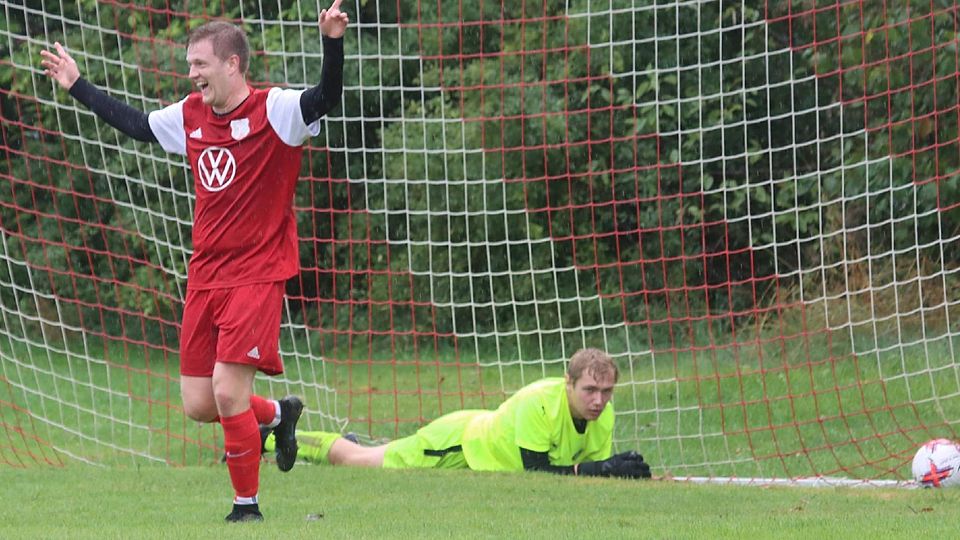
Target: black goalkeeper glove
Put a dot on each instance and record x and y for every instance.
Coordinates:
(625, 465)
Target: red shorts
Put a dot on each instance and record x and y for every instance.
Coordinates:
(239, 325)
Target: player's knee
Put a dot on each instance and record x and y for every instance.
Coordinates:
(197, 395)
(228, 400)
(356, 456)
(344, 452)
(199, 412)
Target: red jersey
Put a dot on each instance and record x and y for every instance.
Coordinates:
(245, 167)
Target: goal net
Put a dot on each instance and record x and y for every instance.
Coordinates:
(753, 207)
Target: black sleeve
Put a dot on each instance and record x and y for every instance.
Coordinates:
(540, 461)
(113, 111)
(319, 100)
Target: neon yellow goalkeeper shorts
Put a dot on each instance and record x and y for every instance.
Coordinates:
(435, 445)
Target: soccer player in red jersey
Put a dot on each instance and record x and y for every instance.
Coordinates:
(244, 147)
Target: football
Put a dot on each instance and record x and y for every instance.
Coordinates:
(936, 464)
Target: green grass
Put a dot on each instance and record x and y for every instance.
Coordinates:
(189, 502)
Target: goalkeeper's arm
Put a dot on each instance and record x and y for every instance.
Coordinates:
(540, 461)
(624, 465)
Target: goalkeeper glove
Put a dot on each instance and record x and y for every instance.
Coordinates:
(625, 465)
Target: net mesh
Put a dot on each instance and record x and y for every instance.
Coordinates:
(749, 205)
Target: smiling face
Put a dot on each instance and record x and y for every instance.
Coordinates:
(219, 81)
(590, 393)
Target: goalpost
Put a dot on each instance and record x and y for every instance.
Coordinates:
(753, 206)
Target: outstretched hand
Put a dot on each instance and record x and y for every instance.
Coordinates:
(628, 465)
(624, 465)
(333, 22)
(60, 66)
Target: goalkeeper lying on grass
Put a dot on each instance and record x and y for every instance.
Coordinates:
(561, 425)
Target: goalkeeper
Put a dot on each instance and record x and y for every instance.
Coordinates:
(559, 425)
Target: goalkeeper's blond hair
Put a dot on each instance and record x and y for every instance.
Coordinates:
(592, 361)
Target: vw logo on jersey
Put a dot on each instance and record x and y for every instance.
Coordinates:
(217, 168)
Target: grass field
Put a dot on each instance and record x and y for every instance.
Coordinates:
(805, 404)
(80, 501)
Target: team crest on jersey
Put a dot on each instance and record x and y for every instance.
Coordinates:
(216, 168)
(239, 128)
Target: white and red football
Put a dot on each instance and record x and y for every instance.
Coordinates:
(936, 464)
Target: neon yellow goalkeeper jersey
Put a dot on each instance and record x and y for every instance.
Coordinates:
(537, 418)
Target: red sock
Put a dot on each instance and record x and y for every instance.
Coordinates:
(263, 409)
(241, 440)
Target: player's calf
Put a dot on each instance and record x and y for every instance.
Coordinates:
(264, 433)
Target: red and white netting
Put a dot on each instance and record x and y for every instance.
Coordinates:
(753, 208)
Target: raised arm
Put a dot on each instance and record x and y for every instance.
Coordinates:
(61, 67)
(319, 100)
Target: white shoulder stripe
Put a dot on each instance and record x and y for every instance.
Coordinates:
(167, 126)
(286, 118)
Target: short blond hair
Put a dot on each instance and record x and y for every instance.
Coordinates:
(227, 40)
(592, 361)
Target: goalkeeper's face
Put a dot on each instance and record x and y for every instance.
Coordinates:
(588, 396)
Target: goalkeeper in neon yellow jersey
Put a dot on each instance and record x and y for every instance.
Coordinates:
(562, 425)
